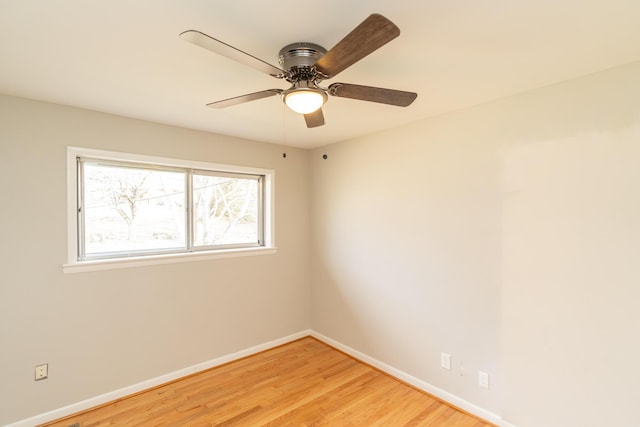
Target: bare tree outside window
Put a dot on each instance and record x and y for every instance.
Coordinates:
(225, 210)
(132, 209)
(129, 209)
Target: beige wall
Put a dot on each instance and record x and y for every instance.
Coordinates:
(507, 235)
(101, 331)
(571, 253)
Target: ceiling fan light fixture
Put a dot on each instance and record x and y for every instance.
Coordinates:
(304, 100)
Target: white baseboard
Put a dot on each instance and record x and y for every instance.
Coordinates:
(153, 382)
(422, 385)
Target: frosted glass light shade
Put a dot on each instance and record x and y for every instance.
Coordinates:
(305, 100)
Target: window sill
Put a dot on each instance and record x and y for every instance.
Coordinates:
(113, 264)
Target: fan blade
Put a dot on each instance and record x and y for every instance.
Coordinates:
(373, 94)
(314, 119)
(244, 98)
(221, 48)
(373, 33)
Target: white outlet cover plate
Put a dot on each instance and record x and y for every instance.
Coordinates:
(483, 379)
(445, 361)
(42, 372)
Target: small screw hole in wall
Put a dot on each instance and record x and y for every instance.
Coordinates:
(324, 156)
(284, 155)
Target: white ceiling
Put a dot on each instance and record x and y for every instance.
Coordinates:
(125, 56)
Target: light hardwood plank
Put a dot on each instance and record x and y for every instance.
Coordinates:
(303, 383)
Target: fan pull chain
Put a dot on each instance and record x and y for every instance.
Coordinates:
(284, 124)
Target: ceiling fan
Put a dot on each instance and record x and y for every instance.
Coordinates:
(306, 65)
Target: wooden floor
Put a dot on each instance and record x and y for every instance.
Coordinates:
(303, 383)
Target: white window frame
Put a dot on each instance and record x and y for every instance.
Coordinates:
(74, 265)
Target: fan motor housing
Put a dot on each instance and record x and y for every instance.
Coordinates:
(300, 55)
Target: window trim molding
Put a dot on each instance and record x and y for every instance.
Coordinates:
(149, 260)
(74, 265)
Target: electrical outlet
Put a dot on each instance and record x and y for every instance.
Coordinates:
(445, 361)
(42, 372)
(483, 379)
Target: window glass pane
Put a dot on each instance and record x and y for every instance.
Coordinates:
(128, 209)
(225, 210)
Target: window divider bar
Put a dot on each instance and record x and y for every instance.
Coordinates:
(189, 211)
